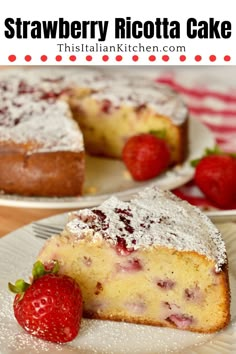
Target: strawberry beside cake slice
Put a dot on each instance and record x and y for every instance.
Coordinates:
(154, 260)
(123, 108)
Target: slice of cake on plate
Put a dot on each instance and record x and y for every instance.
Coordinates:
(155, 260)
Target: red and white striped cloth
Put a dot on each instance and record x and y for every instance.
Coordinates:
(211, 99)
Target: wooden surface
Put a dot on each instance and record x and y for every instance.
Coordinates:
(12, 218)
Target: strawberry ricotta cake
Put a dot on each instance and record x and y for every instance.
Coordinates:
(155, 260)
(49, 117)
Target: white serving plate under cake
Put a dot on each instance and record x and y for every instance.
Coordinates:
(107, 176)
(18, 252)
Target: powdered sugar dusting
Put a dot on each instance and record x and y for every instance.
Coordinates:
(141, 93)
(53, 79)
(94, 337)
(53, 132)
(32, 115)
(32, 118)
(155, 217)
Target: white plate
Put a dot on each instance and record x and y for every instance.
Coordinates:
(222, 215)
(18, 252)
(107, 176)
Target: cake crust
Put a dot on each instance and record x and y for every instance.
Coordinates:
(49, 174)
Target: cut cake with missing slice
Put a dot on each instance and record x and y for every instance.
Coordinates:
(155, 260)
(50, 117)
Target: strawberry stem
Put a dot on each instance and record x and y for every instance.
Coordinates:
(55, 268)
(161, 134)
(39, 269)
(195, 162)
(211, 151)
(19, 287)
(215, 151)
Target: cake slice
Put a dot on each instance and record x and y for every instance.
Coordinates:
(126, 107)
(154, 260)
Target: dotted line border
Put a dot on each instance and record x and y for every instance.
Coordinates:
(118, 58)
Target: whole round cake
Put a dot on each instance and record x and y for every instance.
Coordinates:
(49, 117)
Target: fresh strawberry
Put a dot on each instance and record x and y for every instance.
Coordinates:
(146, 156)
(215, 175)
(50, 307)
